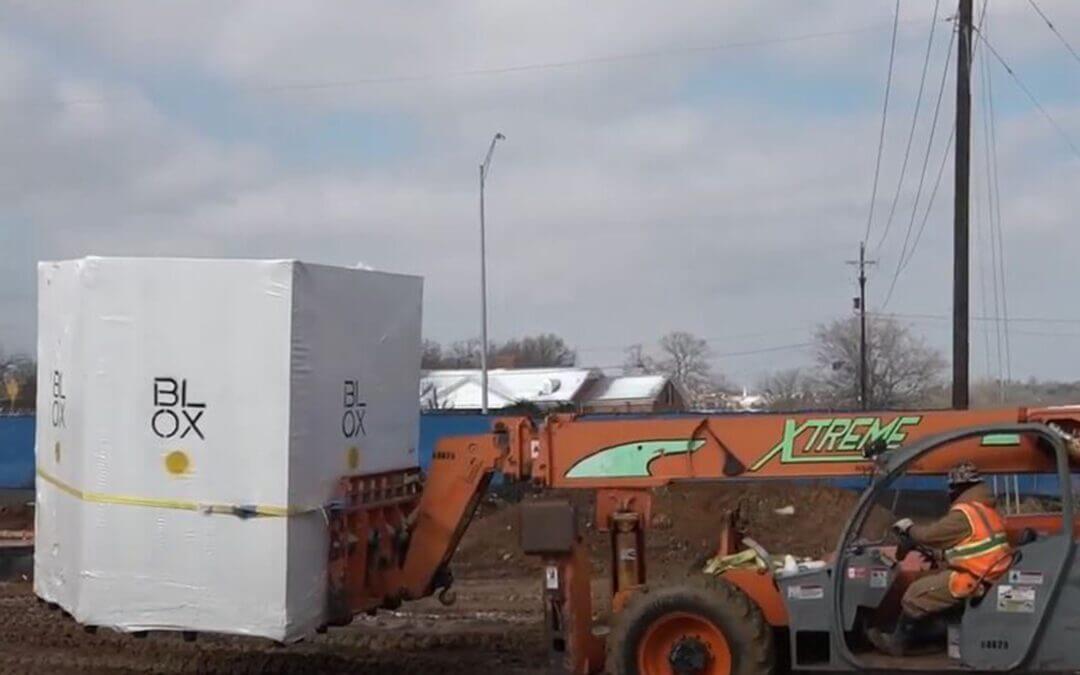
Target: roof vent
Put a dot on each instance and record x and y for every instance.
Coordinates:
(550, 386)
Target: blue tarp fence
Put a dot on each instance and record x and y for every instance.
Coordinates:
(17, 442)
(16, 452)
(1028, 484)
(436, 425)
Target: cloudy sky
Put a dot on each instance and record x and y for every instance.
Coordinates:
(704, 167)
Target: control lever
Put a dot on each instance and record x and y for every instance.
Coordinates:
(906, 545)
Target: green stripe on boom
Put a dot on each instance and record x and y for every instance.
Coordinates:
(997, 440)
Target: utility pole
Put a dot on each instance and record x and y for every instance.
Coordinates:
(960, 209)
(860, 306)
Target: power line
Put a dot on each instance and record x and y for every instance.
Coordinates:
(992, 224)
(997, 216)
(980, 257)
(980, 239)
(925, 165)
(748, 352)
(1021, 332)
(884, 118)
(995, 265)
(1031, 96)
(948, 317)
(914, 124)
(764, 350)
(570, 63)
(930, 202)
(711, 340)
(903, 262)
(1053, 28)
(505, 70)
(937, 318)
(989, 223)
(1034, 333)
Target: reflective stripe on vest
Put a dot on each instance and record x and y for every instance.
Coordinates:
(982, 555)
(958, 553)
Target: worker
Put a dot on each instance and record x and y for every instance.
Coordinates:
(971, 541)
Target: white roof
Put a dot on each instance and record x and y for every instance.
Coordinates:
(461, 389)
(628, 387)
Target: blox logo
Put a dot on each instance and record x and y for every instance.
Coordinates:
(352, 420)
(59, 401)
(174, 412)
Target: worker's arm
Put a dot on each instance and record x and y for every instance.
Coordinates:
(944, 532)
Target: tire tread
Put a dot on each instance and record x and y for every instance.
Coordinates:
(753, 647)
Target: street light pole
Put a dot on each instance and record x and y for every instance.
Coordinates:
(484, 167)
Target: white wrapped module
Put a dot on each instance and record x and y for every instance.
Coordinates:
(194, 418)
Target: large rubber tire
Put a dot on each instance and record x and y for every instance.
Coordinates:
(726, 607)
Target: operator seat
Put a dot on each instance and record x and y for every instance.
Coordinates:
(1026, 536)
(997, 628)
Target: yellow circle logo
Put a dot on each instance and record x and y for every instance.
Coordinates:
(352, 458)
(177, 462)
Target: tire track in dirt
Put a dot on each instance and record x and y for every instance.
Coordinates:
(450, 641)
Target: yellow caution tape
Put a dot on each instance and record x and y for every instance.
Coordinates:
(177, 504)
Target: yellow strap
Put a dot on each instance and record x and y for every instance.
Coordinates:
(180, 505)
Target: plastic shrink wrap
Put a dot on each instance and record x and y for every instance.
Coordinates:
(194, 418)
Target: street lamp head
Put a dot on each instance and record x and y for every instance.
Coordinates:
(487, 159)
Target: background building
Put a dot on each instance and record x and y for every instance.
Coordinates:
(570, 389)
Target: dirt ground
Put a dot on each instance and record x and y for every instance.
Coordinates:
(16, 516)
(495, 627)
(484, 631)
(684, 526)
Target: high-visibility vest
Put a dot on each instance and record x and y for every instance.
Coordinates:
(981, 557)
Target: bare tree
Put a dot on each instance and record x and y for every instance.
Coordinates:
(432, 355)
(537, 351)
(637, 362)
(546, 350)
(1032, 392)
(789, 390)
(684, 358)
(686, 362)
(463, 354)
(18, 382)
(902, 370)
(429, 397)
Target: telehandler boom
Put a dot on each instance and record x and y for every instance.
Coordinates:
(734, 622)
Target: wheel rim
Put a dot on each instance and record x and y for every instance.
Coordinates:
(682, 643)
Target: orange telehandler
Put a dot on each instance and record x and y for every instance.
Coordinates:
(392, 539)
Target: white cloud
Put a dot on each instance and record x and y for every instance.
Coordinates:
(631, 197)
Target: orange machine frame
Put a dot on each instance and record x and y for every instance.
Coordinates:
(623, 458)
(392, 536)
